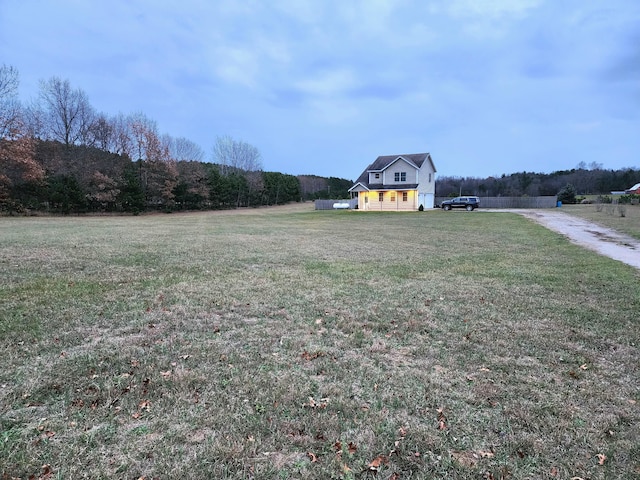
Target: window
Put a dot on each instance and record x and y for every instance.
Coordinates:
(380, 197)
(400, 176)
(393, 197)
(429, 178)
(377, 175)
(405, 196)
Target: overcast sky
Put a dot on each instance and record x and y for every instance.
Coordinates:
(325, 86)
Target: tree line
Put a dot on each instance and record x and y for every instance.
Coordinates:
(60, 155)
(584, 179)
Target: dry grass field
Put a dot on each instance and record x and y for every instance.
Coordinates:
(287, 343)
(609, 216)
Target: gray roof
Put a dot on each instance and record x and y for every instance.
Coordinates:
(395, 186)
(384, 161)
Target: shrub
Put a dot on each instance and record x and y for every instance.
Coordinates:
(567, 194)
(630, 199)
(622, 209)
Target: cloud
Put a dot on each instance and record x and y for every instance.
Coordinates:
(492, 9)
(480, 81)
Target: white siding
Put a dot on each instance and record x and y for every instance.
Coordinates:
(399, 167)
(427, 180)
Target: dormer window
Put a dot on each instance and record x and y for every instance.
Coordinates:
(377, 175)
(400, 176)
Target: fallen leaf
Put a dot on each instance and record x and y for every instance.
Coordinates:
(442, 421)
(601, 458)
(553, 472)
(377, 462)
(312, 457)
(352, 448)
(46, 472)
(311, 355)
(337, 446)
(322, 403)
(584, 366)
(166, 374)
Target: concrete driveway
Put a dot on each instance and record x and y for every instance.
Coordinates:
(595, 237)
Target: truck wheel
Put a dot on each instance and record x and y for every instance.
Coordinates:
(469, 208)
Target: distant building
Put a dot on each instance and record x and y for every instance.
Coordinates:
(635, 189)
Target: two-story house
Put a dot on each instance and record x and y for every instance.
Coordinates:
(397, 182)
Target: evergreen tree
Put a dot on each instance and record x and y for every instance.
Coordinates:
(567, 194)
(66, 194)
(131, 196)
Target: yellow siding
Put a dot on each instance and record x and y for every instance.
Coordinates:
(387, 205)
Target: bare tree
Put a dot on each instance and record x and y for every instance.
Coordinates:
(145, 139)
(184, 150)
(10, 111)
(138, 124)
(236, 155)
(595, 166)
(158, 173)
(101, 133)
(9, 81)
(68, 112)
(122, 139)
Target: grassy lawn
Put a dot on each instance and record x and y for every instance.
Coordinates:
(289, 343)
(609, 216)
